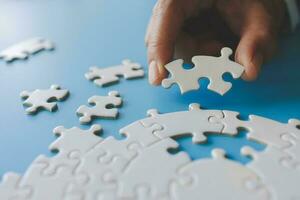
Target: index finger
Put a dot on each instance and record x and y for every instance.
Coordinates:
(165, 24)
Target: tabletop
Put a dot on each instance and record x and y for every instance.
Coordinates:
(102, 33)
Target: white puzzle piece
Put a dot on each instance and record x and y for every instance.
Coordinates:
(143, 173)
(209, 67)
(294, 148)
(100, 108)
(218, 178)
(49, 187)
(109, 75)
(38, 99)
(283, 182)
(260, 129)
(28, 47)
(10, 188)
(196, 123)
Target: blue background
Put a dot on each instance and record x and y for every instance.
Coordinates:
(103, 33)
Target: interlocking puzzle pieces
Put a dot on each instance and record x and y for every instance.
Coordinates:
(10, 188)
(260, 129)
(283, 182)
(38, 99)
(195, 121)
(209, 67)
(104, 106)
(109, 75)
(28, 47)
(218, 178)
(152, 171)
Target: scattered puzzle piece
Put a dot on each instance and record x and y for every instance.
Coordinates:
(101, 108)
(209, 67)
(23, 49)
(109, 75)
(218, 178)
(41, 98)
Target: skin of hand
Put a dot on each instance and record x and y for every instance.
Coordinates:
(184, 28)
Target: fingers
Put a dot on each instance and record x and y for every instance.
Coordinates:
(164, 27)
(258, 41)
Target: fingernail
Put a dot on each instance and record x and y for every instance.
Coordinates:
(152, 72)
(161, 68)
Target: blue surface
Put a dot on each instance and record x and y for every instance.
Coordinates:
(103, 33)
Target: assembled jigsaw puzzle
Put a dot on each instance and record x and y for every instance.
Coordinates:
(28, 47)
(140, 167)
(209, 67)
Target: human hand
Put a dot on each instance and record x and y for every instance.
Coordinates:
(184, 28)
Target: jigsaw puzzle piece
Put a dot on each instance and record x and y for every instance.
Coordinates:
(40, 98)
(10, 188)
(49, 187)
(23, 49)
(282, 182)
(153, 168)
(217, 178)
(106, 76)
(76, 139)
(195, 121)
(179, 75)
(104, 106)
(294, 148)
(103, 164)
(260, 129)
(214, 67)
(138, 133)
(209, 67)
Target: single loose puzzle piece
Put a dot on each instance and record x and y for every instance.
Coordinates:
(153, 168)
(195, 122)
(209, 67)
(23, 49)
(10, 188)
(104, 106)
(218, 178)
(109, 75)
(43, 98)
(283, 182)
(260, 129)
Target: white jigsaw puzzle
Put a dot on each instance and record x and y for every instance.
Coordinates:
(10, 188)
(283, 182)
(142, 167)
(109, 75)
(260, 129)
(218, 178)
(196, 123)
(104, 107)
(28, 47)
(38, 99)
(209, 67)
